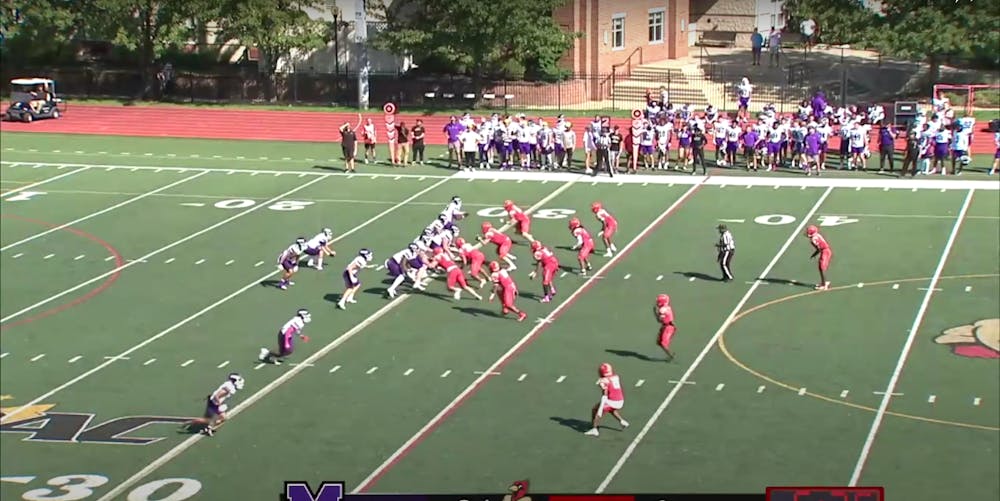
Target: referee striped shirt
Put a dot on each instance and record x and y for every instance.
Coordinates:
(726, 242)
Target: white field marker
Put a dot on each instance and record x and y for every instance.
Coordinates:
(675, 381)
(844, 394)
(560, 276)
(561, 379)
(4, 354)
(258, 366)
(258, 264)
(521, 377)
(968, 288)
(168, 261)
(109, 258)
(408, 372)
(692, 279)
(761, 388)
(302, 364)
(895, 287)
(115, 357)
(199, 261)
(81, 256)
(931, 399)
(231, 261)
(150, 361)
(19, 254)
(908, 344)
(37, 357)
(861, 284)
(640, 383)
(372, 370)
(659, 277)
(223, 364)
(334, 369)
(802, 391)
(446, 373)
(74, 359)
(976, 401)
(189, 362)
(628, 276)
(720, 386)
(49, 256)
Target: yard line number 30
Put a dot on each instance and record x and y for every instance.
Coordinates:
(81, 486)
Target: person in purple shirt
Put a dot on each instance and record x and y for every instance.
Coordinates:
(886, 147)
(813, 146)
(819, 104)
(452, 130)
(750, 139)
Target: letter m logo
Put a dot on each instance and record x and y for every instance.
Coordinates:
(300, 491)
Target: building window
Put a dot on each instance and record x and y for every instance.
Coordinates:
(656, 25)
(618, 31)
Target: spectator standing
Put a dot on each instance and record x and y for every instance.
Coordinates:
(808, 29)
(349, 146)
(886, 147)
(403, 144)
(417, 135)
(756, 44)
(469, 144)
(774, 47)
(569, 144)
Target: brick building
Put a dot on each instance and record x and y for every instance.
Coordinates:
(737, 16)
(614, 30)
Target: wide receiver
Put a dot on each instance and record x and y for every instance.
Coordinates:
(519, 220)
(504, 285)
(824, 252)
(584, 244)
(612, 399)
(665, 316)
(609, 226)
(548, 264)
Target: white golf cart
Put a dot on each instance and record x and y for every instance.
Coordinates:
(32, 99)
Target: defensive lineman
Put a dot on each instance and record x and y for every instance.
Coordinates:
(216, 407)
(727, 249)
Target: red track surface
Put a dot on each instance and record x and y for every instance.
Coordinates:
(261, 125)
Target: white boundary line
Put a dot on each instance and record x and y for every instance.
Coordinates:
(43, 181)
(255, 283)
(179, 449)
(711, 343)
(908, 345)
(494, 368)
(782, 181)
(103, 211)
(161, 249)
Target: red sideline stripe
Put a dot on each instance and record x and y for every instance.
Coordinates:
(108, 282)
(436, 422)
(274, 125)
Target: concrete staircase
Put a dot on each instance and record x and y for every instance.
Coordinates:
(685, 84)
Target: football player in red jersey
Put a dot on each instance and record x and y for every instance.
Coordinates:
(665, 316)
(824, 252)
(474, 259)
(455, 278)
(612, 399)
(519, 219)
(502, 241)
(584, 244)
(609, 226)
(504, 285)
(548, 264)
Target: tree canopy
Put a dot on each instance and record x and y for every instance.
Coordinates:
(840, 21)
(276, 27)
(479, 38)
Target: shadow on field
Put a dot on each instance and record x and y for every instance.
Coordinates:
(698, 275)
(632, 354)
(270, 283)
(329, 168)
(785, 281)
(476, 312)
(572, 423)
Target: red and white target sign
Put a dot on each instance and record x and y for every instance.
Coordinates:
(390, 112)
(638, 114)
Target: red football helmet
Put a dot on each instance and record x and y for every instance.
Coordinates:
(574, 223)
(605, 370)
(507, 204)
(536, 246)
(596, 207)
(811, 230)
(460, 242)
(494, 266)
(662, 300)
(438, 250)
(487, 226)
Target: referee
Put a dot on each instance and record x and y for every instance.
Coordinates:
(727, 249)
(603, 144)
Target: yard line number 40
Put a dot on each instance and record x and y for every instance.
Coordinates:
(81, 486)
(780, 219)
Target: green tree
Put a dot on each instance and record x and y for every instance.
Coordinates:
(840, 21)
(42, 29)
(476, 37)
(275, 27)
(929, 29)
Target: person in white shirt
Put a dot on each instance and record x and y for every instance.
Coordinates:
(808, 29)
(569, 145)
(469, 141)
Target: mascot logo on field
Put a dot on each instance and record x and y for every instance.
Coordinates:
(977, 340)
(517, 491)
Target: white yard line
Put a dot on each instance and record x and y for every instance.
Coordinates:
(160, 250)
(254, 172)
(292, 372)
(199, 313)
(102, 211)
(711, 343)
(908, 344)
(43, 181)
(437, 419)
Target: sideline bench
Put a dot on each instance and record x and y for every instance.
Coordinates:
(717, 39)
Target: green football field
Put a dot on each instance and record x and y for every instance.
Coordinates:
(138, 273)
